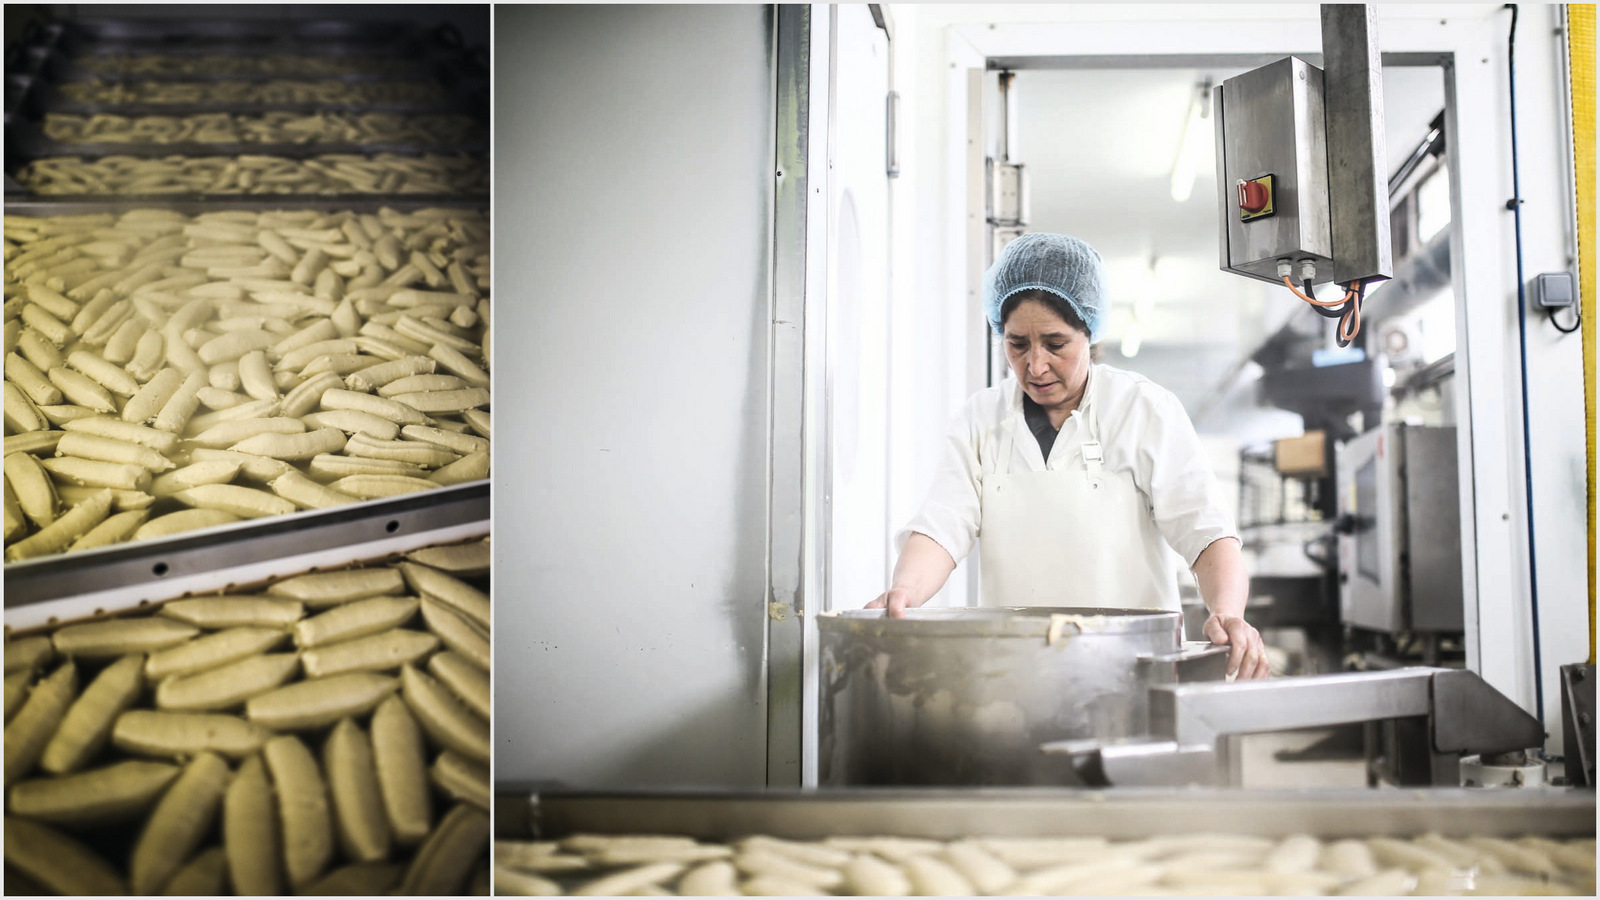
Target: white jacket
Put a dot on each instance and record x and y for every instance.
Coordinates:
(1144, 431)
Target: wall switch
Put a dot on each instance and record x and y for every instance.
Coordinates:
(1554, 289)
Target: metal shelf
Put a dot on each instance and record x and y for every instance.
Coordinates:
(122, 576)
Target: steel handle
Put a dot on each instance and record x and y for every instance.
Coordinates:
(1197, 661)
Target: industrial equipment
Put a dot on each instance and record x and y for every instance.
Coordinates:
(1034, 696)
(967, 695)
(1399, 531)
(1302, 173)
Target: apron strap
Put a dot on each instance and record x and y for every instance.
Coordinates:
(1093, 457)
(1002, 465)
(1093, 453)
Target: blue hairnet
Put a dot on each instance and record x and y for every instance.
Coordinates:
(1062, 265)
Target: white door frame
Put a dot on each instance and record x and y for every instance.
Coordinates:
(1499, 628)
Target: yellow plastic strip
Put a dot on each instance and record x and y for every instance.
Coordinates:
(1580, 69)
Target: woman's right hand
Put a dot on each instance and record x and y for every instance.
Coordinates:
(918, 575)
(896, 601)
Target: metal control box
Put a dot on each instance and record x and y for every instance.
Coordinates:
(1400, 530)
(1270, 123)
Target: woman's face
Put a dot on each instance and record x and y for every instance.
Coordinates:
(1049, 357)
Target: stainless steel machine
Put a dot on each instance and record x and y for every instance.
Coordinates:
(1302, 170)
(1040, 696)
(1399, 530)
(967, 696)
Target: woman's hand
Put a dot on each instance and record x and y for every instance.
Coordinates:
(896, 600)
(918, 575)
(1247, 656)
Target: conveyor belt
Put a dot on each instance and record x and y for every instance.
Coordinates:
(1116, 813)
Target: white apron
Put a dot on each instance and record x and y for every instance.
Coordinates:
(1072, 536)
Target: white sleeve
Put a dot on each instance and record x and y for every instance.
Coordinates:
(951, 514)
(1185, 499)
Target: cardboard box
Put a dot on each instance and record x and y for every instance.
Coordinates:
(1302, 457)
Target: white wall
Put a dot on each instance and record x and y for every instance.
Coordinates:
(632, 219)
(933, 360)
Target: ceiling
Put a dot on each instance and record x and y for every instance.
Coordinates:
(1099, 148)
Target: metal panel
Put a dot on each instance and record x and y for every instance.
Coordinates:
(631, 519)
(124, 575)
(1433, 529)
(1118, 813)
(1358, 168)
(799, 215)
(1272, 124)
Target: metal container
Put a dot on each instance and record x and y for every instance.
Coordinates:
(968, 696)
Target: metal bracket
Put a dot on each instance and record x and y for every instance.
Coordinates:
(1469, 716)
(1197, 661)
(1577, 716)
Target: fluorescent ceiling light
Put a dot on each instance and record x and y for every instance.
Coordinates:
(1196, 134)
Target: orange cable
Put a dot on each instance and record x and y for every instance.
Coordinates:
(1314, 301)
(1354, 315)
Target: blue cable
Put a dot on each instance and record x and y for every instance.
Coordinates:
(1515, 205)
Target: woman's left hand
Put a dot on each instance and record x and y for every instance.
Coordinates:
(1247, 657)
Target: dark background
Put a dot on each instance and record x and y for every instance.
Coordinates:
(471, 19)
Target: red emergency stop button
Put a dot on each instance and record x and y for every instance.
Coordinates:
(1255, 197)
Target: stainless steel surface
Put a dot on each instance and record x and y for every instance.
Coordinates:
(783, 604)
(123, 575)
(1358, 167)
(1008, 117)
(1430, 717)
(1125, 813)
(1138, 763)
(633, 516)
(1270, 122)
(1577, 716)
(1469, 716)
(1201, 714)
(966, 696)
(1008, 195)
(1433, 529)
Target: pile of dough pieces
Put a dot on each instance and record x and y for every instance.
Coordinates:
(165, 372)
(1195, 865)
(327, 735)
(265, 128)
(284, 91)
(244, 64)
(383, 173)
